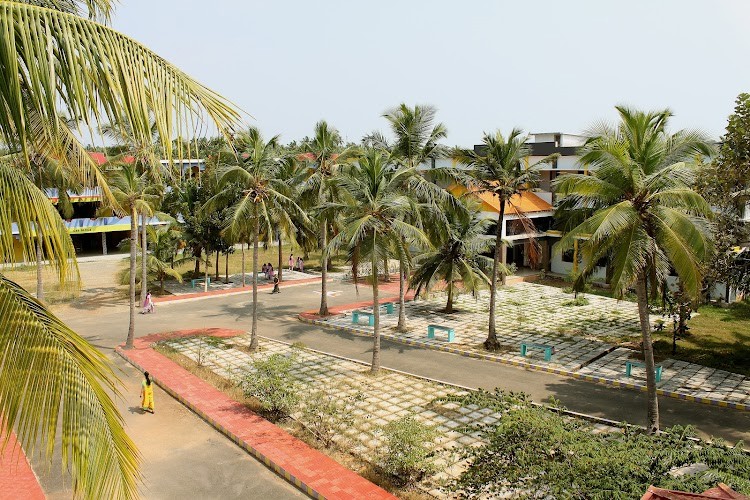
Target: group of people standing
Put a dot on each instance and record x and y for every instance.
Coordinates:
(296, 265)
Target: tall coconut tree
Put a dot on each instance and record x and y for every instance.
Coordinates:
(416, 141)
(457, 259)
(374, 210)
(326, 153)
(646, 215)
(256, 173)
(56, 59)
(136, 194)
(498, 168)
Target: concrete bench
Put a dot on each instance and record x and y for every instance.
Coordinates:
(388, 307)
(199, 280)
(548, 349)
(370, 317)
(431, 331)
(630, 364)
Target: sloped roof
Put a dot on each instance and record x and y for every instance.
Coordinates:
(720, 491)
(525, 203)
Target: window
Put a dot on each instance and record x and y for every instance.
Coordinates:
(567, 256)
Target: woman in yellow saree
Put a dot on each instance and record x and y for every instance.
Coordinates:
(147, 394)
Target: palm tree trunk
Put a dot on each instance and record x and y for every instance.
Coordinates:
(226, 267)
(449, 305)
(648, 354)
(281, 258)
(161, 284)
(386, 275)
(401, 298)
(133, 243)
(324, 265)
(243, 264)
(216, 271)
(491, 344)
(39, 283)
(376, 313)
(254, 328)
(144, 269)
(205, 273)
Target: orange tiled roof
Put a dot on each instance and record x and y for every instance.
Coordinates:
(721, 491)
(525, 203)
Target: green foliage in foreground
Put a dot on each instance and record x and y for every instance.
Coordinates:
(272, 385)
(408, 452)
(542, 454)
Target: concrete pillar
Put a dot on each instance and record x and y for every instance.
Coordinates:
(546, 254)
(104, 243)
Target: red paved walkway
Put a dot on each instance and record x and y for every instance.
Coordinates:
(388, 292)
(231, 291)
(17, 480)
(311, 471)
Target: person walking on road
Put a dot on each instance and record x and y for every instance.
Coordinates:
(276, 285)
(147, 394)
(291, 262)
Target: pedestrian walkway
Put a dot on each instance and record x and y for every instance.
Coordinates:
(17, 479)
(235, 282)
(579, 338)
(306, 468)
(232, 290)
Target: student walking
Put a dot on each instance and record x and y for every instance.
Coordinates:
(276, 285)
(147, 394)
(291, 262)
(300, 264)
(148, 304)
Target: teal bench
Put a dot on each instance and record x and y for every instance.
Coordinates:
(431, 331)
(630, 364)
(548, 349)
(370, 317)
(388, 307)
(199, 280)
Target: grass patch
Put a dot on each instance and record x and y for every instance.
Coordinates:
(718, 337)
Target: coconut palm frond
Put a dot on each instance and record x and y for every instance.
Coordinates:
(36, 348)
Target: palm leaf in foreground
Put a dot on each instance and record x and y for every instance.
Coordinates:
(48, 372)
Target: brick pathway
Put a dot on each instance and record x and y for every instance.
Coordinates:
(311, 471)
(232, 291)
(17, 479)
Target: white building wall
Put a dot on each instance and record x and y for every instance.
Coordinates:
(558, 266)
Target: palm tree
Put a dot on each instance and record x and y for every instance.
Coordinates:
(458, 255)
(646, 216)
(374, 212)
(257, 175)
(56, 59)
(327, 154)
(163, 257)
(135, 194)
(498, 168)
(416, 141)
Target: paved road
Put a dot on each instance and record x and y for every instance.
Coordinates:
(106, 327)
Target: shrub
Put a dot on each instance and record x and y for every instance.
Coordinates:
(327, 414)
(539, 454)
(408, 453)
(272, 385)
(578, 301)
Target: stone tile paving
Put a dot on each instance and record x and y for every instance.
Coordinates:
(186, 287)
(376, 400)
(580, 336)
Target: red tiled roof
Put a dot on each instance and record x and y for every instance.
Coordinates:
(101, 159)
(98, 157)
(720, 491)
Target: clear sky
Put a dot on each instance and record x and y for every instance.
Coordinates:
(544, 66)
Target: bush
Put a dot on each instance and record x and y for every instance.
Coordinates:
(578, 301)
(539, 453)
(272, 385)
(408, 453)
(327, 414)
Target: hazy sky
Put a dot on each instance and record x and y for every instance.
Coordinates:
(542, 66)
